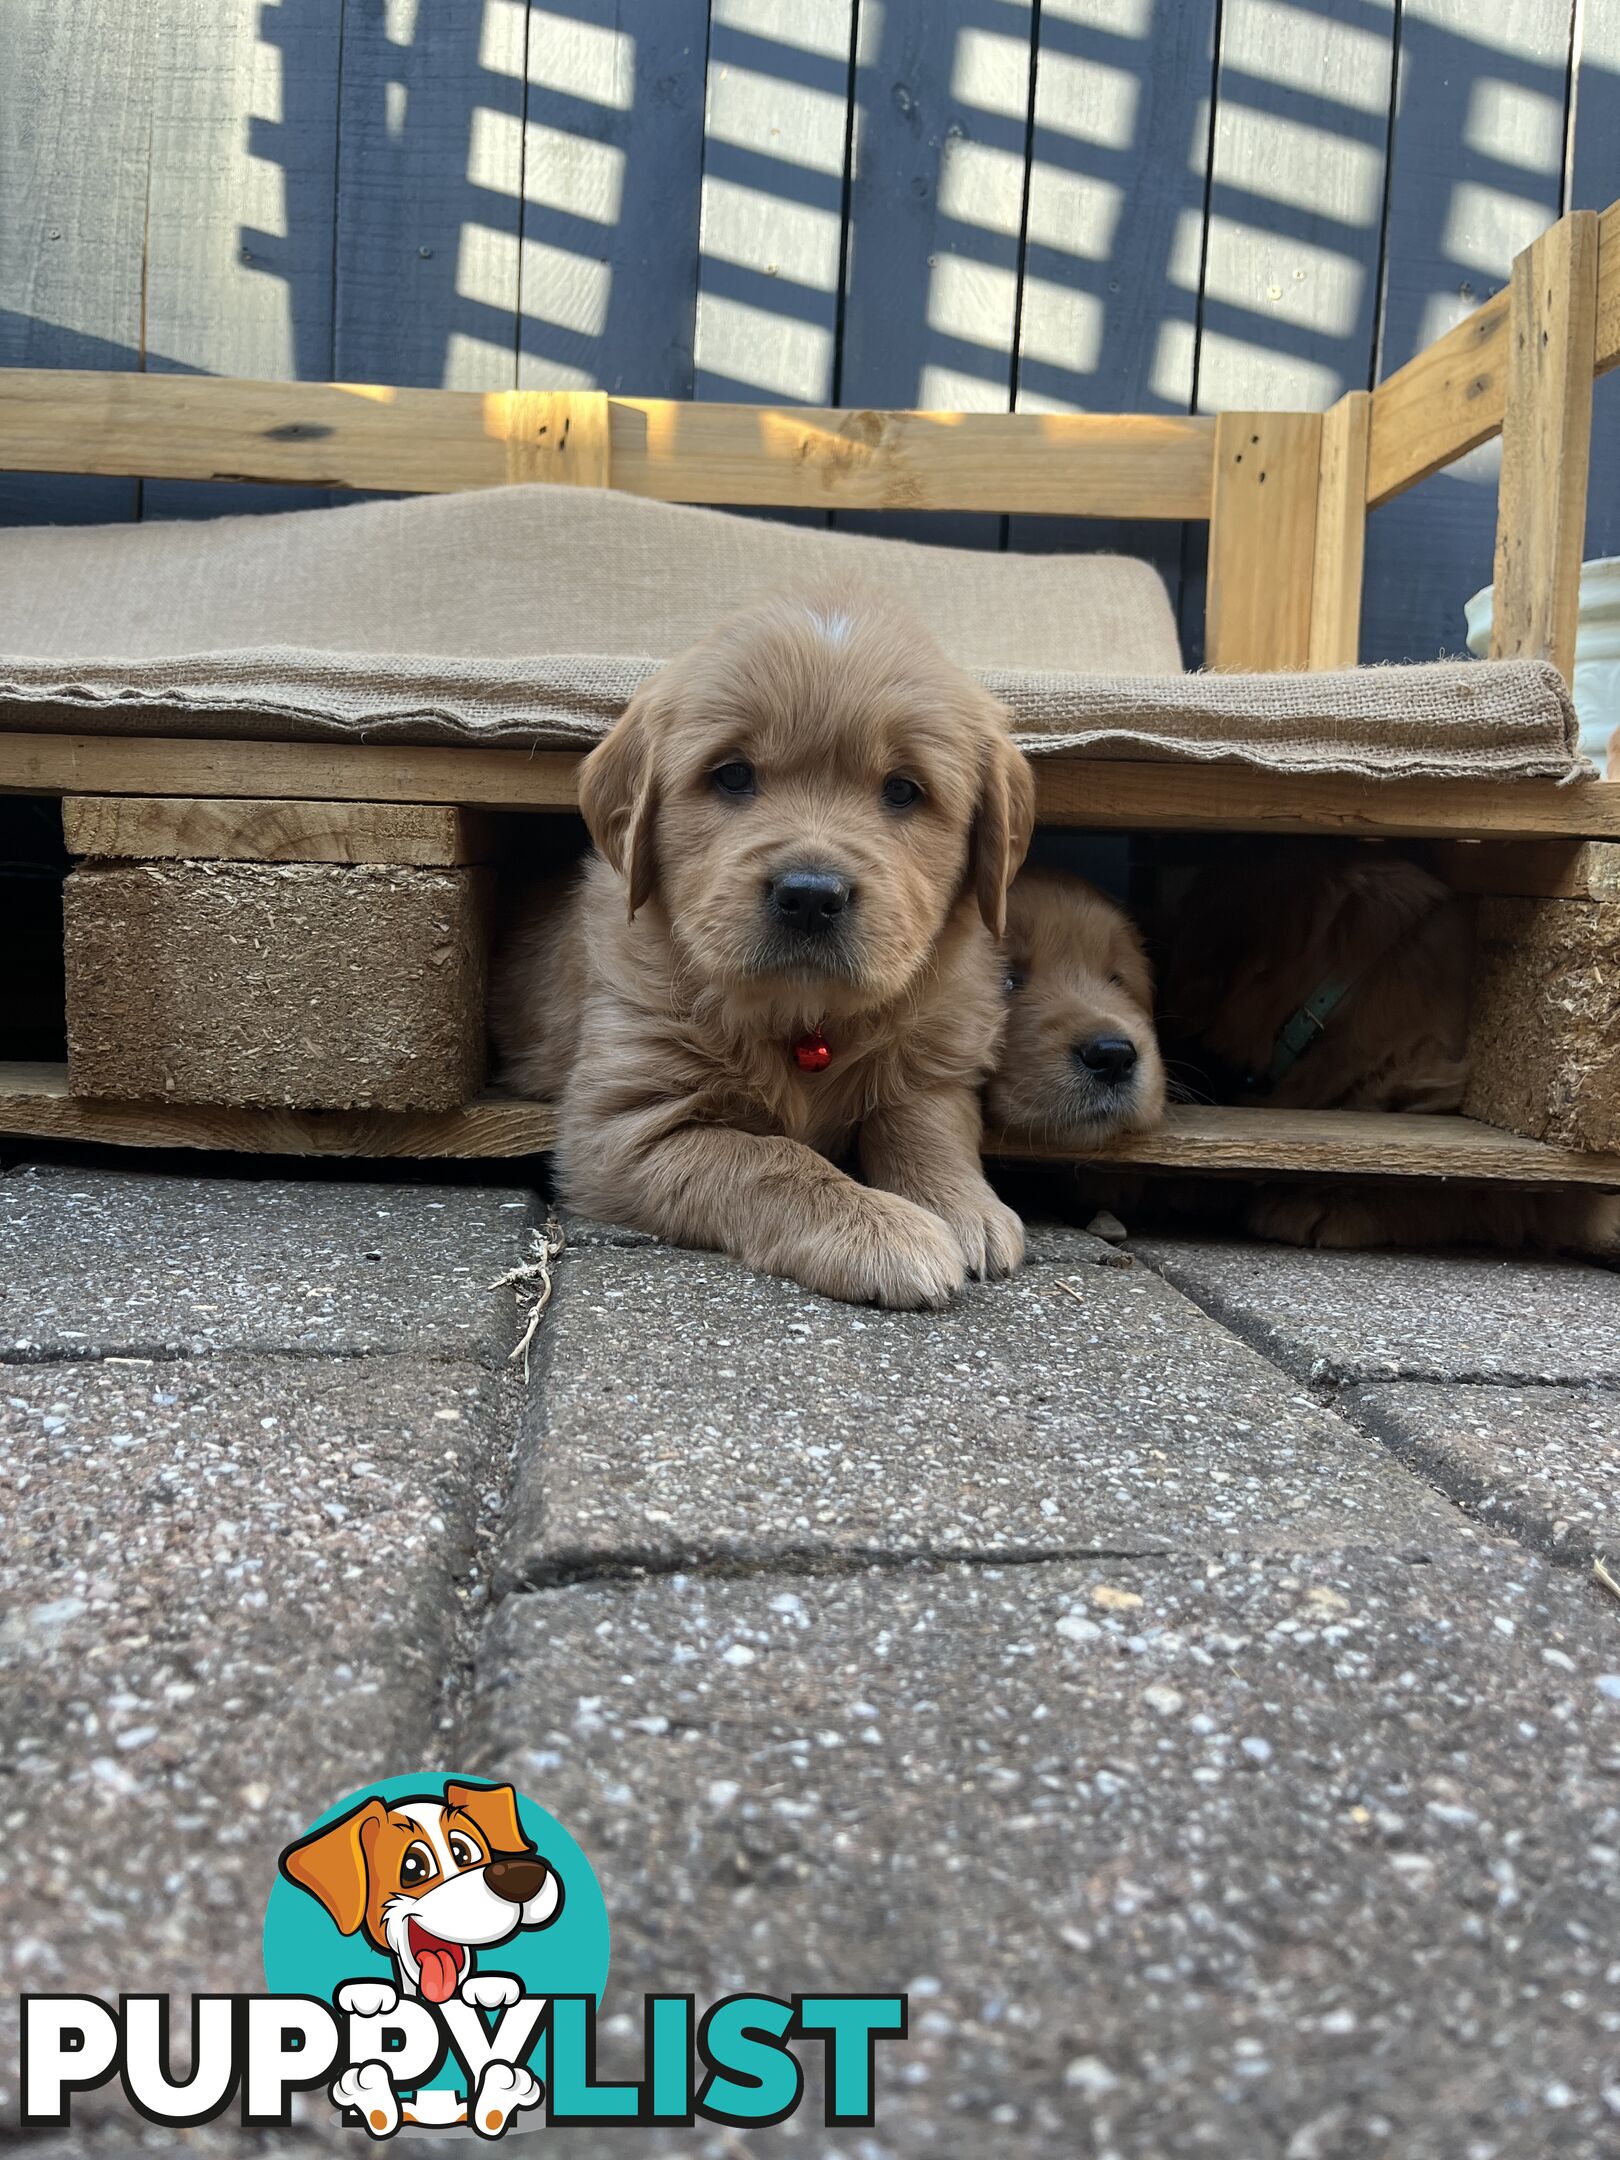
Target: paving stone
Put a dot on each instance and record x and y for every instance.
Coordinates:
(1340, 1316)
(97, 1260)
(1541, 1461)
(692, 1408)
(1277, 1858)
(228, 1594)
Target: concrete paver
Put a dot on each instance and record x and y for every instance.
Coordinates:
(694, 1409)
(1341, 1316)
(1541, 1461)
(94, 1260)
(1278, 1858)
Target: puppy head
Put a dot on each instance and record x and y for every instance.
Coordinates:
(805, 794)
(1079, 1059)
(427, 1880)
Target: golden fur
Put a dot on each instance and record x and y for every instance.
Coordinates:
(1252, 944)
(656, 1001)
(1076, 972)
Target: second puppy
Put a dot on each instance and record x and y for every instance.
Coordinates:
(1080, 1060)
(783, 953)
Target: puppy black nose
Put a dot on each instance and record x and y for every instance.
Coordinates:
(809, 900)
(515, 1880)
(1111, 1057)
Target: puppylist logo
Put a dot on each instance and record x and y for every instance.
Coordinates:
(435, 1952)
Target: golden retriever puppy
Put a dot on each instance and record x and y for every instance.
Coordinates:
(1333, 977)
(783, 953)
(1079, 1059)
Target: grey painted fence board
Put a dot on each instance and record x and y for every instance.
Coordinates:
(430, 174)
(240, 211)
(1115, 225)
(776, 134)
(936, 206)
(75, 118)
(613, 151)
(1478, 172)
(1594, 184)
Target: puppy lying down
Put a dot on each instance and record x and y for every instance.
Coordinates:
(783, 953)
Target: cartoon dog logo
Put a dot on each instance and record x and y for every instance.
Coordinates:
(429, 1881)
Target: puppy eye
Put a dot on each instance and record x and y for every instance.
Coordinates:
(416, 1867)
(463, 1851)
(735, 777)
(900, 793)
(1118, 981)
(1014, 981)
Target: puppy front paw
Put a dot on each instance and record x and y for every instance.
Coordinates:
(990, 1234)
(1306, 1215)
(490, 1990)
(502, 2090)
(890, 1252)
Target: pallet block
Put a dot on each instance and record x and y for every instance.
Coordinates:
(266, 984)
(1544, 1032)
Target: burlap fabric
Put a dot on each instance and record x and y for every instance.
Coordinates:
(528, 616)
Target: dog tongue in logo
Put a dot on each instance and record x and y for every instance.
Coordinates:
(438, 1962)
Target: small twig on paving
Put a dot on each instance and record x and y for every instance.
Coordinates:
(531, 1279)
(1071, 1291)
(1602, 1575)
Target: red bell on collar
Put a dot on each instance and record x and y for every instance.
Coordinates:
(812, 1052)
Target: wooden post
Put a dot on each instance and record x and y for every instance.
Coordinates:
(1262, 539)
(1341, 533)
(1546, 443)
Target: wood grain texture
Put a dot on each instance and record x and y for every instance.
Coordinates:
(341, 435)
(1262, 540)
(75, 128)
(1535, 869)
(35, 1104)
(1607, 349)
(1096, 794)
(1336, 1143)
(776, 151)
(1446, 400)
(565, 437)
(1546, 446)
(1478, 148)
(612, 165)
(429, 187)
(1341, 533)
(147, 828)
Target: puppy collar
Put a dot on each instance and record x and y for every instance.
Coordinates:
(1301, 1029)
(812, 1053)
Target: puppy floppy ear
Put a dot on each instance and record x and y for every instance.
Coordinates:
(493, 1808)
(1002, 823)
(618, 793)
(331, 1864)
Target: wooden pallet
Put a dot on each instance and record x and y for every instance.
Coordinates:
(1286, 496)
(35, 1104)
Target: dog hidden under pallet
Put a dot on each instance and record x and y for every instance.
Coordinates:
(277, 941)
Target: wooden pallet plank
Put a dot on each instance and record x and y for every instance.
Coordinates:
(936, 206)
(1478, 150)
(1341, 533)
(1594, 179)
(35, 1104)
(1546, 446)
(75, 124)
(341, 435)
(1094, 794)
(429, 190)
(1110, 255)
(612, 167)
(1262, 539)
(240, 212)
(776, 149)
(148, 828)
(1447, 400)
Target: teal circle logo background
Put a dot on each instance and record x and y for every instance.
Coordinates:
(305, 1954)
